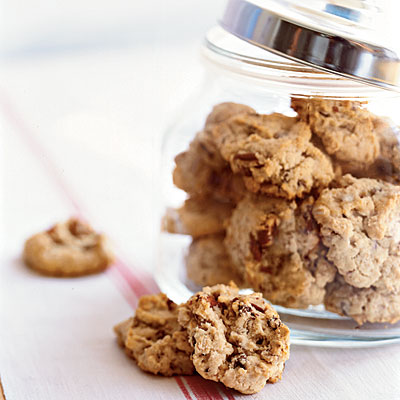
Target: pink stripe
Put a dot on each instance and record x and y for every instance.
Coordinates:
(203, 389)
(122, 286)
(183, 388)
(28, 135)
(137, 287)
(227, 392)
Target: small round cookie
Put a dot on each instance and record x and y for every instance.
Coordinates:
(345, 128)
(200, 179)
(208, 263)
(387, 165)
(238, 340)
(274, 154)
(223, 111)
(197, 217)
(275, 244)
(373, 304)
(154, 338)
(200, 170)
(360, 225)
(68, 249)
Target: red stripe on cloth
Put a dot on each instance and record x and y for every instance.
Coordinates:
(203, 389)
(37, 149)
(183, 388)
(134, 283)
(122, 286)
(227, 392)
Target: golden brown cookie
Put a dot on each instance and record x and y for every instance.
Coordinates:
(154, 338)
(345, 128)
(377, 303)
(197, 217)
(360, 224)
(275, 244)
(274, 154)
(387, 165)
(200, 170)
(68, 249)
(208, 263)
(223, 111)
(238, 340)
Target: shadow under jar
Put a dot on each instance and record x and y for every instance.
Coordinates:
(286, 179)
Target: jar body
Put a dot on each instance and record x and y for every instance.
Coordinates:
(288, 184)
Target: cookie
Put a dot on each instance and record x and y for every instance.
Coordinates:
(154, 338)
(208, 263)
(345, 128)
(274, 154)
(200, 170)
(387, 165)
(68, 249)
(197, 217)
(238, 340)
(276, 245)
(373, 304)
(223, 111)
(199, 179)
(360, 225)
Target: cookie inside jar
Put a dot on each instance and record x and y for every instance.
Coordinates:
(302, 206)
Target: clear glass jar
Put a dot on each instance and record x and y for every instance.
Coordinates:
(293, 194)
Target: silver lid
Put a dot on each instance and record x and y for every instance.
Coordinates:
(307, 43)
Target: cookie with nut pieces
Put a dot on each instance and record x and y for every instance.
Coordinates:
(238, 340)
(68, 249)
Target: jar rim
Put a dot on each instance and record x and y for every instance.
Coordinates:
(236, 56)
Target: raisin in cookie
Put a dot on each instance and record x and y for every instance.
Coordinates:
(360, 226)
(345, 129)
(154, 338)
(238, 340)
(68, 249)
(208, 263)
(197, 217)
(275, 244)
(374, 304)
(273, 153)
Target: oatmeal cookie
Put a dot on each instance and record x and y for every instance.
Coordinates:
(238, 340)
(68, 249)
(223, 111)
(197, 217)
(154, 338)
(273, 153)
(374, 304)
(275, 244)
(208, 263)
(345, 129)
(360, 224)
(387, 165)
(200, 170)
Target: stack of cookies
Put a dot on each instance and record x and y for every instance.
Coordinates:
(304, 209)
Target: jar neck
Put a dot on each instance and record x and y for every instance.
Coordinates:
(233, 60)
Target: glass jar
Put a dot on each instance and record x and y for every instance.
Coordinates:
(283, 178)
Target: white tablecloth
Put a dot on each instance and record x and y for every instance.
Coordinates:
(78, 131)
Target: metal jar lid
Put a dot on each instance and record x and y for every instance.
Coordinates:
(312, 41)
